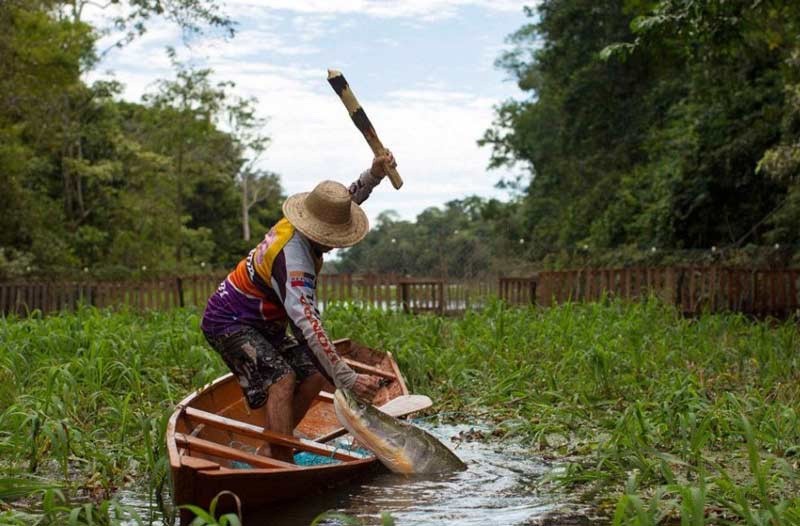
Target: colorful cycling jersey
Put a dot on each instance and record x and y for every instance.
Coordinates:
(275, 285)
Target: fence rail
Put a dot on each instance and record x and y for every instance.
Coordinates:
(692, 289)
(163, 293)
(387, 292)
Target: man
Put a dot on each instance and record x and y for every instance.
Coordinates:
(246, 319)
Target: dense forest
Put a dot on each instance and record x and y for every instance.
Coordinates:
(94, 185)
(655, 131)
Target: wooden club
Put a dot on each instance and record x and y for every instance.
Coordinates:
(360, 119)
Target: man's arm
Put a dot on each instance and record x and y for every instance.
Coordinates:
(294, 280)
(369, 179)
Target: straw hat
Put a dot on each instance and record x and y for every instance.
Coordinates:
(327, 215)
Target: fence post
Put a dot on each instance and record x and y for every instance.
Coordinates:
(669, 286)
(404, 296)
(179, 283)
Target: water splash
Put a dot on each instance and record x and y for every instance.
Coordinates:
(499, 487)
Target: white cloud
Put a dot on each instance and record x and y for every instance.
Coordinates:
(432, 134)
(427, 10)
(431, 129)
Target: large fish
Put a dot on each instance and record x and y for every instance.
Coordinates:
(402, 447)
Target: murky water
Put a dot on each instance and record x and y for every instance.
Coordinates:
(499, 487)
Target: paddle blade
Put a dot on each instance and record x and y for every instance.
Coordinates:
(405, 405)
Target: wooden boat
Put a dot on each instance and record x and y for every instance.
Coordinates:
(212, 436)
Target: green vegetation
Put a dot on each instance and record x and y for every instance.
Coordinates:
(652, 415)
(92, 182)
(209, 517)
(670, 123)
(656, 415)
(646, 123)
(84, 400)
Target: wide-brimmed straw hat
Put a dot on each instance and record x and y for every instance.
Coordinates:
(327, 215)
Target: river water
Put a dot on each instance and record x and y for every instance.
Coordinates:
(499, 487)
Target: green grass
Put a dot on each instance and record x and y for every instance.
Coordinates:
(656, 417)
(653, 417)
(84, 400)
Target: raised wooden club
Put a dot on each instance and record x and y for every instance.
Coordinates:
(360, 119)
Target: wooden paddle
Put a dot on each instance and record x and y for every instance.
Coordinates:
(403, 405)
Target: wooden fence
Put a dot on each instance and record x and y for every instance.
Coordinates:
(387, 292)
(161, 293)
(692, 289)
(393, 292)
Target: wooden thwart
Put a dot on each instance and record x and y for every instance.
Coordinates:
(252, 431)
(212, 448)
(199, 464)
(358, 366)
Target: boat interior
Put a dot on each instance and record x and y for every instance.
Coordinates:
(215, 426)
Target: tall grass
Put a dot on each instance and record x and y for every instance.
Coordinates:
(84, 400)
(655, 417)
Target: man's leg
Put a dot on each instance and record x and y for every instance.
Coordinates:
(305, 394)
(280, 413)
(311, 379)
(265, 377)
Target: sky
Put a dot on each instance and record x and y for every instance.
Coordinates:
(423, 71)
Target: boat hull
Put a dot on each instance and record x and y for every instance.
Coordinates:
(212, 435)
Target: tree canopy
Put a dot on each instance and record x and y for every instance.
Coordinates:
(92, 182)
(648, 128)
(666, 124)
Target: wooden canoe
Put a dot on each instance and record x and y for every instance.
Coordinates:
(213, 433)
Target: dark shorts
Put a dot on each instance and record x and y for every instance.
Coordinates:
(258, 363)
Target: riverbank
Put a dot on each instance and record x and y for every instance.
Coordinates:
(651, 415)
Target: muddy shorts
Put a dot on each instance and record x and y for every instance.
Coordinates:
(258, 364)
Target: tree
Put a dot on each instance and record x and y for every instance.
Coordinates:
(646, 121)
(738, 74)
(465, 238)
(89, 181)
(41, 59)
(259, 187)
(255, 185)
(130, 17)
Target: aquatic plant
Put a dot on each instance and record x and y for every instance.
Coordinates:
(650, 416)
(702, 412)
(85, 396)
(208, 517)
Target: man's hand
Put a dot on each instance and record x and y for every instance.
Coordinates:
(366, 387)
(381, 163)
